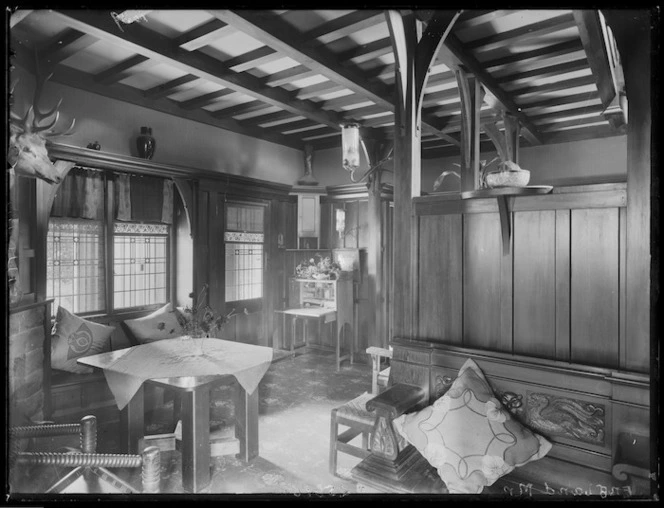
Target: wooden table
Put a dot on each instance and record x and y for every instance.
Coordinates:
(195, 392)
(322, 315)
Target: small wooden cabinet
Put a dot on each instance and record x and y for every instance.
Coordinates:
(327, 301)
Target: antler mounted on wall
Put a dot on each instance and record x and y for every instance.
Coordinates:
(27, 154)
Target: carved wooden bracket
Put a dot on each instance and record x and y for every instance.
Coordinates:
(385, 441)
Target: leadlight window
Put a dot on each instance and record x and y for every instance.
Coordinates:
(140, 264)
(108, 242)
(75, 275)
(244, 239)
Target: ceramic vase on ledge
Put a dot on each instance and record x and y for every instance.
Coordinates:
(145, 143)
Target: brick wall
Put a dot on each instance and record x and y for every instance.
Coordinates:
(26, 357)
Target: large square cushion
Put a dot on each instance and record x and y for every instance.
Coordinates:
(161, 324)
(468, 436)
(74, 337)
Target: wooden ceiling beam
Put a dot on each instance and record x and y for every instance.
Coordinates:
(553, 117)
(531, 31)
(441, 95)
(455, 55)
(575, 122)
(124, 69)
(343, 26)
(276, 117)
(239, 109)
(380, 120)
(599, 131)
(288, 76)
(328, 32)
(367, 51)
(559, 101)
(366, 111)
(253, 59)
(592, 38)
(278, 34)
(64, 45)
(318, 89)
(142, 40)
(305, 128)
(170, 87)
(203, 35)
(117, 91)
(470, 20)
(520, 93)
(534, 55)
(205, 99)
(543, 72)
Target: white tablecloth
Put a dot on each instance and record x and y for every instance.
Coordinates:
(172, 358)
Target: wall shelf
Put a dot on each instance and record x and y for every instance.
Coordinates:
(501, 194)
(507, 191)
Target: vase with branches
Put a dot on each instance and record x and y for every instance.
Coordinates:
(200, 320)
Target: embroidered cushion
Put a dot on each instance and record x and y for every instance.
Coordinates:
(468, 436)
(74, 337)
(161, 324)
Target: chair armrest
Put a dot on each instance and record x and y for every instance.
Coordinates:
(396, 400)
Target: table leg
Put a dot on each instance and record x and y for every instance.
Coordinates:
(246, 422)
(196, 439)
(132, 423)
(293, 330)
(337, 332)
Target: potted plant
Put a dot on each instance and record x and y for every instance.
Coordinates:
(508, 174)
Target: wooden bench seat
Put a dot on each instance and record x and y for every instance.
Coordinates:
(596, 420)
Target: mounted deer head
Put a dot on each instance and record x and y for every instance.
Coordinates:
(27, 154)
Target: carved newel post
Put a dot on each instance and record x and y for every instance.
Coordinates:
(308, 178)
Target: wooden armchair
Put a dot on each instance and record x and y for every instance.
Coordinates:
(354, 414)
(90, 473)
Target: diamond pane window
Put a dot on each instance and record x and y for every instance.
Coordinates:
(140, 269)
(75, 264)
(244, 240)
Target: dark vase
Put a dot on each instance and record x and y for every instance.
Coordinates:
(145, 143)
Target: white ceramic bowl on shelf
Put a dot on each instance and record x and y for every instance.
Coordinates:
(497, 179)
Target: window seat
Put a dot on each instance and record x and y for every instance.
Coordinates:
(595, 418)
(68, 397)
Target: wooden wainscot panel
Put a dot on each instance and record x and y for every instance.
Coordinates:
(594, 287)
(440, 284)
(580, 378)
(482, 252)
(610, 195)
(534, 278)
(631, 388)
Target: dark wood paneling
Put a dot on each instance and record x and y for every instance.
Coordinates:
(594, 287)
(326, 226)
(482, 251)
(352, 225)
(362, 224)
(562, 284)
(535, 283)
(216, 274)
(561, 198)
(440, 287)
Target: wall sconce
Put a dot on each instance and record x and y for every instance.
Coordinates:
(350, 146)
(350, 149)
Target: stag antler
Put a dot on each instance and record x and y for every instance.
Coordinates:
(27, 154)
(30, 123)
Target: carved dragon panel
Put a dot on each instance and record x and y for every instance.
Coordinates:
(565, 417)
